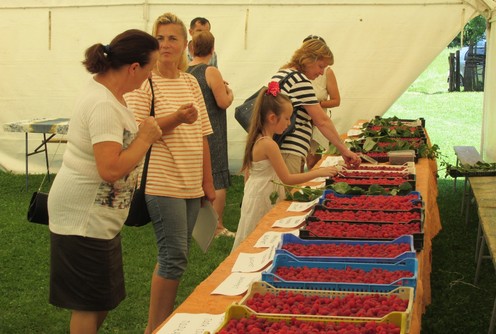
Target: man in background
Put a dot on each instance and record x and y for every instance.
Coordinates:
(197, 25)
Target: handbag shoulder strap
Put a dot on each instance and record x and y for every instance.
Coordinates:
(147, 158)
(287, 77)
(152, 107)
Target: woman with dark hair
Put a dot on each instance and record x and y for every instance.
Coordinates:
(90, 196)
(307, 63)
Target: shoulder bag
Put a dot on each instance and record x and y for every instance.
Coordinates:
(243, 112)
(138, 210)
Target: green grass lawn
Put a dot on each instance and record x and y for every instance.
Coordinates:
(457, 305)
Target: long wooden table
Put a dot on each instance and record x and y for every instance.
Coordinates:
(484, 190)
(201, 301)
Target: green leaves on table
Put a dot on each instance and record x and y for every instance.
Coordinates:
(305, 194)
(478, 169)
(374, 189)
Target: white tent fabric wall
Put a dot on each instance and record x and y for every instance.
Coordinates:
(380, 48)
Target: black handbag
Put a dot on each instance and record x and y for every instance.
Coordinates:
(138, 210)
(243, 112)
(38, 208)
(38, 204)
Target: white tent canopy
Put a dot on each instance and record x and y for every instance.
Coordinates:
(380, 48)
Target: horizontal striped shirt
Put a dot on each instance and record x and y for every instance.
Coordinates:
(301, 92)
(176, 163)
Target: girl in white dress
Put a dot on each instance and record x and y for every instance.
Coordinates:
(263, 162)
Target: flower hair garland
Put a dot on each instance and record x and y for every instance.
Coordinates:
(273, 88)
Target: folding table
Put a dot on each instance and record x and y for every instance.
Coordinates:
(49, 127)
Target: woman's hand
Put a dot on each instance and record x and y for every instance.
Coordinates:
(187, 113)
(209, 190)
(351, 159)
(149, 131)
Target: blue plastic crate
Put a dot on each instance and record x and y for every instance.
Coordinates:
(285, 260)
(288, 238)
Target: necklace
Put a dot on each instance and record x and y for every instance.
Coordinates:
(163, 76)
(160, 73)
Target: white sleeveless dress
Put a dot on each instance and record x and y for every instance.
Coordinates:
(320, 88)
(256, 198)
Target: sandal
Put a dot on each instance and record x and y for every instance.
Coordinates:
(225, 233)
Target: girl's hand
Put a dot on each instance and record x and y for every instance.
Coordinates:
(149, 131)
(187, 113)
(327, 171)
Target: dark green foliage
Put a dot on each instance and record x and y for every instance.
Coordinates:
(474, 30)
(374, 189)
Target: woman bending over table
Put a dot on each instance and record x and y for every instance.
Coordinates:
(89, 199)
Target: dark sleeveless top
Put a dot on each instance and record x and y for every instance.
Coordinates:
(218, 119)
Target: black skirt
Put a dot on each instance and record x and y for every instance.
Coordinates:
(86, 274)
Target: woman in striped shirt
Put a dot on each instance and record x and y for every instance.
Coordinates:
(307, 63)
(179, 172)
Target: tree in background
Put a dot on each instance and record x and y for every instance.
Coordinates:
(474, 30)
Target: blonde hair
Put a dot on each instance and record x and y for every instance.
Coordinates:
(169, 18)
(264, 105)
(309, 52)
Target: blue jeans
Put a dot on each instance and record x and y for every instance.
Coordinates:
(173, 221)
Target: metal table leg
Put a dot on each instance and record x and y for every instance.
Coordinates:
(27, 171)
(464, 194)
(479, 260)
(41, 148)
(478, 242)
(467, 199)
(454, 182)
(493, 319)
(46, 154)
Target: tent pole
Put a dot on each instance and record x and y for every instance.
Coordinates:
(488, 137)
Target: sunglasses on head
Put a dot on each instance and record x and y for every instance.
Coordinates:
(310, 37)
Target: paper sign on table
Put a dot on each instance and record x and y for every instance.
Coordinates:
(302, 206)
(319, 179)
(205, 226)
(331, 161)
(189, 323)
(318, 186)
(289, 222)
(272, 239)
(236, 284)
(250, 262)
(354, 132)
